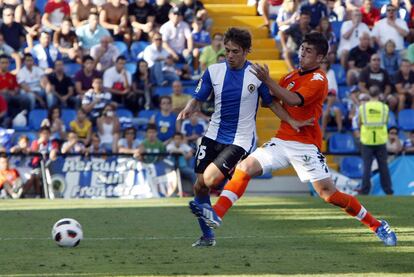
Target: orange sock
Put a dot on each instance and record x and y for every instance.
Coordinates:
(232, 191)
(352, 207)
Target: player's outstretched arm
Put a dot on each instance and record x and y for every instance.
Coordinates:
(192, 106)
(262, 73)
(280, 112)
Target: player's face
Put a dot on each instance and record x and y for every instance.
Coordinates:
(235, 55)
(308, 57)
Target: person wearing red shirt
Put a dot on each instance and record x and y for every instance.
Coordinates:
(55, 12)
(10, 181)
(370, 14)
(9, 89)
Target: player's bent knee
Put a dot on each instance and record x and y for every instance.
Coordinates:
(251, 166)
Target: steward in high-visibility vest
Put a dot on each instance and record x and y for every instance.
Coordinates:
(374, 119)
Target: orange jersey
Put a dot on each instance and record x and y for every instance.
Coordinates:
(312, 86)
(8, 175)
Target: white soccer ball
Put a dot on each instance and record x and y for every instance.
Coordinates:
(67, 232)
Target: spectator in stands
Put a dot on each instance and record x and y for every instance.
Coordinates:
(96, 99)
(104, 54)
(170, 70)
(55, 12)
(288, 14)
(191, 9)
(4, 119)
(165, 120)
(354, 113)
(390, 28)
(351, 30)
(409, 143)
(85, 76)
(73, 145)
(96, 146)
(55, 123)
(45, 53)
(211, 52)
(178, 97)
(394, 144)
(291, 39)
(82, 126)
(373, 144)
(129, 144)
(61, 87)
(6, 49)
(193, 129)
(176, 37)
(161, 8)
(80, 12)
(48, 149)
(117, 80)
(155, 56)
(91, 34)
(402, 8)
(114, 17)
(353, 4)
(390, 59)
(325, 28)
(140, 95)
(66, 41)
(336, 10)
(11, 185)
(269, 9)
(317, 10)
(375, 75)
(370, 14)
(109, 128)
(22, 146)
(404, 84)
(358, 59)
(141, 16)
(201, 39)
(186, 152)
(13, 32)
(30, 17)
(32, 81)
(9, 90)
(151, 145)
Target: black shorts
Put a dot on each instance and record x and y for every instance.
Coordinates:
(224, 156)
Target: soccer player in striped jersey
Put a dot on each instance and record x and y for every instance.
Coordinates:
(231, 133)
(302, 93)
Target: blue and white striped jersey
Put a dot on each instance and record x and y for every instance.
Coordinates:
(236, 99)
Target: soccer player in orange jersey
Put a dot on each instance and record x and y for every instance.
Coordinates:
(302, 93)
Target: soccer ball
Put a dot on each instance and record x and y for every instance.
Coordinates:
(67, 232)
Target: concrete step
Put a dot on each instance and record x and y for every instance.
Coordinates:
(245, 21)
(266, 53)
(224, 2)
(257, 33)
(215, 10)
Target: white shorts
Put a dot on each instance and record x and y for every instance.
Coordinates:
(306, 159)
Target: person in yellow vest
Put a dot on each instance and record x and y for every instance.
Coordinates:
(373, 119)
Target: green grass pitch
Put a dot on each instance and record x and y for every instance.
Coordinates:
(261, 236)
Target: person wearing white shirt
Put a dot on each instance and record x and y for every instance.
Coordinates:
(155, 55)
(32, 81)
(177, 38)
(45, 53)
(117, 80)
(104, 54)
(351, 30)
(390, 28)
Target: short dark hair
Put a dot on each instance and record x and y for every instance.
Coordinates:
(318, 41)
(87, 58)
(166, 97)
(306, 12)
(374, 91)
(179, 134)
(44, 128)
(151, 126)
(241, 37)
(120, 57)
(4, 56)
(27, 55)
(393, 128)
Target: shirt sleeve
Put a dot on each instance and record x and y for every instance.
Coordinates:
(265, 94)
(204, 87)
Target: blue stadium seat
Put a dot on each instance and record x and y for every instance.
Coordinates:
(67, 116)
(342, 143)
(340, 74)
(336, 28)
(351, 167)
(40, 4)
(274, 29)
(343, 92)
(131, 67)
(406, 120)
(36, 117)
(122, 47)
(136, 48)
(161, 91)
(189, 90)
(392, 120)
(120, 112)
(71, 69)
(146, 114)
(379, 3)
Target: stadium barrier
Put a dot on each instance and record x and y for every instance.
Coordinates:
(102, 175)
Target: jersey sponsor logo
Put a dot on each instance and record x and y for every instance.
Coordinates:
(290, 86)
(251, 88)
(198, 86)
(317, 77)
